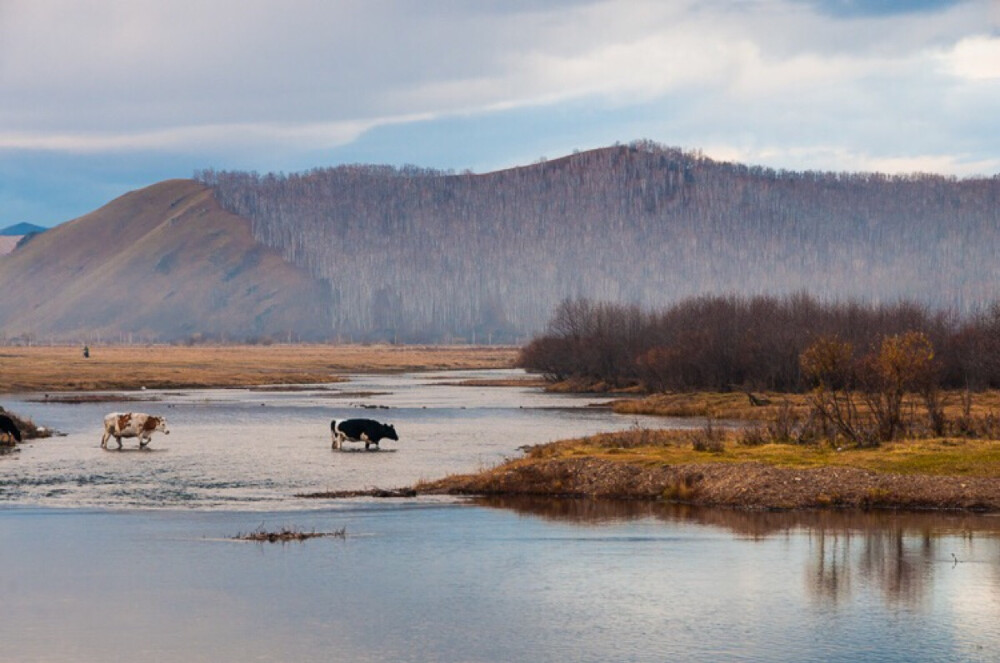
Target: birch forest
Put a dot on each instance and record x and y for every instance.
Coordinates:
(418, 255)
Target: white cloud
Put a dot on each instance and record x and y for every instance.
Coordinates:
(834, 158)
(975, 58)
(303, 136)
(185, 74)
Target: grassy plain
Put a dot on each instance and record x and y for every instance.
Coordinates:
(663, 465)
(63, 368)
(940, 456)
(736, 405)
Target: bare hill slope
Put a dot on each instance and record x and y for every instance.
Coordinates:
(162, 263)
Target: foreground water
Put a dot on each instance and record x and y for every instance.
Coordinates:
(430, 581)
(108, 556)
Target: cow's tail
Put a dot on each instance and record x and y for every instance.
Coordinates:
(333, 425)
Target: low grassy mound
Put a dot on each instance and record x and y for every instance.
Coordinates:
(711, 467)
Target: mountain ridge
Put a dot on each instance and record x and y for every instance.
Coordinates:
(22, 228)
(476, 254)
(378, 253)
(161, 263)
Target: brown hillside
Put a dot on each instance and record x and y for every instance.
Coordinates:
(164, 263)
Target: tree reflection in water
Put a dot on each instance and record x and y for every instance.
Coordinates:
(897, 553)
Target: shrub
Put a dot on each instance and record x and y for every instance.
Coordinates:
(708, 438)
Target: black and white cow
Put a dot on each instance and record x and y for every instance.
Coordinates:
(368, 431)
(8, 430)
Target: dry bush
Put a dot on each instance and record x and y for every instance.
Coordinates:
(755, 435)
(708, 438)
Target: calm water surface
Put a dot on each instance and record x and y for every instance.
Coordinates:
(108, 556)
(237, 448)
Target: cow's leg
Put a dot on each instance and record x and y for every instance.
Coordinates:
(104, 438)
(118, 438)
(143, 441)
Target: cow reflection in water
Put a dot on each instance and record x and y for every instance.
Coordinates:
(132, 424)
(368, 431)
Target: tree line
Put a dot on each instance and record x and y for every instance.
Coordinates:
(414, 254)
(762, 342)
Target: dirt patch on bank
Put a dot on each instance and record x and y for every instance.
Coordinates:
(745, 485)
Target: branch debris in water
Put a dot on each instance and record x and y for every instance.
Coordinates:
(286, 534)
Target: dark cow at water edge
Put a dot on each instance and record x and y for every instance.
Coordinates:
(9, 432)
(368, 431)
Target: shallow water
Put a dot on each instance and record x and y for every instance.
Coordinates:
(108, 555)
(255, 449)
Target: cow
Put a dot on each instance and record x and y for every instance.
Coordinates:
(9, 430)
(132, 424)
(368, 431)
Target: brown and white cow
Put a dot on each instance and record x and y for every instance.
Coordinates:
(132, 424)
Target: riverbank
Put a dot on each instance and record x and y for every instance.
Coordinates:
(64, 368)
(657, 465)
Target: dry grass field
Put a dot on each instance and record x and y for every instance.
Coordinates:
(662, 465)
(62, 368)
(737, 405)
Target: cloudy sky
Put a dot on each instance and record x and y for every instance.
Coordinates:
(101, 97)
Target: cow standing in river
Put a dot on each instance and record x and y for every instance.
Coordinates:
(368, 431)
(132, 424)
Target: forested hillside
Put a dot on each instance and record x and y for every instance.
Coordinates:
(415, 254)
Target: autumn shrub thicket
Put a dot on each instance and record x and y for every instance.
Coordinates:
(861, 396)
(724, 343)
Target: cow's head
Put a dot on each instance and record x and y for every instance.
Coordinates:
(157, 423)
(389, 432)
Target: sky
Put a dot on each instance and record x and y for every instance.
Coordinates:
(101, 97)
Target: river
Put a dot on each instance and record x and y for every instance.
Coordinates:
(108, 555)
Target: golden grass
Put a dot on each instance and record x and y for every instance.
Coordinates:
(934, 457)
(730, 405)
(62, 368)
(736, 405)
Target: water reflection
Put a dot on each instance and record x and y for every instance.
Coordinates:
(902, 556)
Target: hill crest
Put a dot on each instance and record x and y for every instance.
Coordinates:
(161, 263)
(20, 229)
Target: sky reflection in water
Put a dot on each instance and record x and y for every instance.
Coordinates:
(418, 580)
(433, 579)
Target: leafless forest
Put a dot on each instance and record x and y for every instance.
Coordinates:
(723, 343)
(412, 254)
